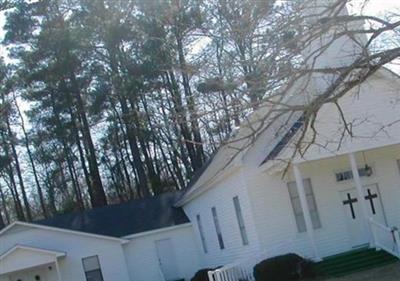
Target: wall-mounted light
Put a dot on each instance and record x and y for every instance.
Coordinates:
(368, 170)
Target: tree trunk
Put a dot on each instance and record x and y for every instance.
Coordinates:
(14, 193)
(98, 198)
(2, 223)
(83, 163)
(19, 172)
(177, 177)
(50, 192)
(131, 134)
(32, 162)
(62, 181)
(155, 180)
(115, 178)
(199, 151)
(133, 144)
(223, 94)
(124, 167)
(173, 151)
(180, 119)
(81, 157)
(4, 203)
(67, 151)
(12, 185)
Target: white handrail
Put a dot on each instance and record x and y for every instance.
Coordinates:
(242, 270)
(161, 273)
(231, 272)
(385, 238)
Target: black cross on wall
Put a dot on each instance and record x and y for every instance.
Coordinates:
(350, 201)
(371, 198)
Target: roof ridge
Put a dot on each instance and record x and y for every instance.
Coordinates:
(110, 206)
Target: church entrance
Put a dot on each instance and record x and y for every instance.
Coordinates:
(354, 217)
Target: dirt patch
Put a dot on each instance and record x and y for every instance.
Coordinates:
(385, 273)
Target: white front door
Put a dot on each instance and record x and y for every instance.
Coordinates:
(352, 208)
(374, 203)
(354, 217)
(167, 259)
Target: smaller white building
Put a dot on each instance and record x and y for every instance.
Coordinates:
(141, 240)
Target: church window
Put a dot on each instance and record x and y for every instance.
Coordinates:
(201, 231)
(297, 210)
(240, 220)
(217, 228)
(366, 171)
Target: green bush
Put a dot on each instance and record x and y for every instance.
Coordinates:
(202, 275)
(284, 268)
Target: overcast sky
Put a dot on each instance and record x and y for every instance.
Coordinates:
(376, 7)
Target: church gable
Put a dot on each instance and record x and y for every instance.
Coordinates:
(370, 113)
(14, 229)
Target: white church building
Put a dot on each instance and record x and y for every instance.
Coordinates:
(248, 202)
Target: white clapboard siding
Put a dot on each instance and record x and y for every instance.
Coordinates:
(76, 247)
(142, 259)
(269, 195)
(134, 260)
(221, 197)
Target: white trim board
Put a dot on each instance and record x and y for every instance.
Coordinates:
(56, 254)
(75, 232)
(156, 231)
(199, 190)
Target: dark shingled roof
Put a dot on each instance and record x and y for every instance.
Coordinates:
(124, 219)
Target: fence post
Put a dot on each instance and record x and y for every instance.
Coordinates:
(211, 276)
(374, 235)
(231, 272)
(221, 275)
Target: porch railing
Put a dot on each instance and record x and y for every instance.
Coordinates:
(232, 272)
(386, 238)
(243, 270)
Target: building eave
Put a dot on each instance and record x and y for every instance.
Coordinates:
(57, 254)
(199, 190)
(56, 229)
(156, 231)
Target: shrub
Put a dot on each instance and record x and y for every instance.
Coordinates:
(284, 268)
(202, 275)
